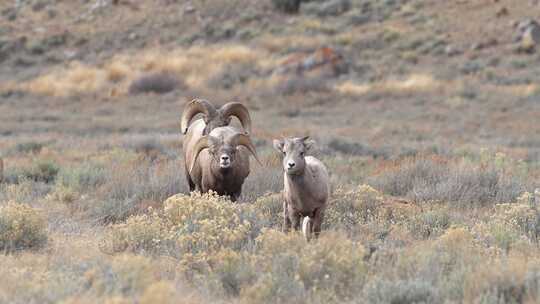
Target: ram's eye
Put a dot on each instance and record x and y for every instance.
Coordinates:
(283, 152)
(302, 154)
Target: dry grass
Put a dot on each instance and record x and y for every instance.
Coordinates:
(415, 83)
(194, 66)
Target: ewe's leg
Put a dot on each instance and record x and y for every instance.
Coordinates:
(317, 221)
(286, 220)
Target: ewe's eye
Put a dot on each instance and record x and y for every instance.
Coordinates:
(302, 154)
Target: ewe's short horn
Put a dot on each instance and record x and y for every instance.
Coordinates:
(195, 107)
(239, 110)
(244, 140)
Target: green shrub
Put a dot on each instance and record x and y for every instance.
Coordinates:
(21, 227)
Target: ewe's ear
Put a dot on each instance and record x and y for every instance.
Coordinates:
(278, 145)
(309, 143)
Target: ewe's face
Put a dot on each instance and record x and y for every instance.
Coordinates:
(294, 152)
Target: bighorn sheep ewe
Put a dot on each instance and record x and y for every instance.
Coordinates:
(221, 161)
(212, 118)
(306, 185)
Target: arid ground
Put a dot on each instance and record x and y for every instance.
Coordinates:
(425, 112)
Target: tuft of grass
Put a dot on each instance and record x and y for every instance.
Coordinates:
(21, 227)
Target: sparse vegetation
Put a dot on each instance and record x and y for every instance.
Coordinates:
(432, 145)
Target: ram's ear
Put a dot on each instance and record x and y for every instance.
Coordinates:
(279, 144)
(308, 143)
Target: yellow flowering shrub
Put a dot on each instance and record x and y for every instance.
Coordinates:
(327, 267)
(349, 208)
(204, 223)
(21, 227)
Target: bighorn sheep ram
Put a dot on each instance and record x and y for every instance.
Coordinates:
(221, 161)
(212, 118)
(306, 184)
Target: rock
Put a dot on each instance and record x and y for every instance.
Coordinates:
(503, 11)
(36, 48)
(23, 62)
(324, 60)
(52, 13)
(132, 36)
(189, 9)
(450, 50)
(528, 36)
(39, 5)
(327, 8)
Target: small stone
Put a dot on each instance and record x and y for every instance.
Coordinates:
(530, 36)
(327, 8)
(451, 50)
(189, 9)
(132, 36)
(51, 13)
(503, 11)
(38, 6)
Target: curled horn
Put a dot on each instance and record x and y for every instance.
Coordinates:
(240, 139)
(202, 143)
(239, 110)
(195, 107)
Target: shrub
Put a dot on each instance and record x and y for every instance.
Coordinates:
(41, 171)
(157, 83)
(29, 147)
(133, 186)
(24, 191)
(21, 227)
(348, 209)
(141, 234)
(82, 178)
(287, 6)
(202, 224)
(291, 269)
(431, 179)
(429, 223)
(401, 291)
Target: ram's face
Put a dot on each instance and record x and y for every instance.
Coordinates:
(223, 154)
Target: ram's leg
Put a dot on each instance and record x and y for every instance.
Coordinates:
(317, 221)
(286, 220)
(295, 219)
(190, 182)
